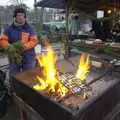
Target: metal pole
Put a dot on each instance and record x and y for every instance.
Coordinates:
(41, 18)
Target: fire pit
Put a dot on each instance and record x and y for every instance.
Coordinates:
(102, 95)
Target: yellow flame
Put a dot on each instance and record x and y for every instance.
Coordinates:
(83, 68)
(50, 81)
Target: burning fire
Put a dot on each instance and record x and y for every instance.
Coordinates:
(83, 68)
(50, 81)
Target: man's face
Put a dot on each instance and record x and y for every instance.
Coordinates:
(20, 18)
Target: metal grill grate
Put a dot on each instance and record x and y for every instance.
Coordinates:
(71, 82)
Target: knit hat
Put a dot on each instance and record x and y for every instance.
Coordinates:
(19, 10)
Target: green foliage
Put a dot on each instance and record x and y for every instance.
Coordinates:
(14, 52)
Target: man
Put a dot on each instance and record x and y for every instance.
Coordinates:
(74, 27)
(116, 31)
(97, 27)
(20, 32)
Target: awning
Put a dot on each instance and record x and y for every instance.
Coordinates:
(83, 5)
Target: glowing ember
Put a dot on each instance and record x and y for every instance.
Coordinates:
(50, 81)
(83, 68)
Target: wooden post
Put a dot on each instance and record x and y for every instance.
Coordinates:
(66, 41)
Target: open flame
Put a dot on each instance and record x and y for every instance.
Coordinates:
(50, 81)
(84, 67)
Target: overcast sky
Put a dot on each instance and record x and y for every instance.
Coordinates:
(29, 3)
